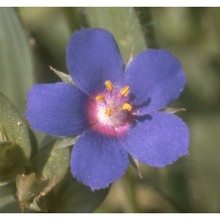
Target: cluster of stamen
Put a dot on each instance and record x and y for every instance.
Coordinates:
(124, 92)
(111, 111)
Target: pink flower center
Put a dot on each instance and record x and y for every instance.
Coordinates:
(110, 112)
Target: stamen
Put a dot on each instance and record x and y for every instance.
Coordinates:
(124, 91)
(100, 98)
(109, 85)
(127, 107)
(108, 111)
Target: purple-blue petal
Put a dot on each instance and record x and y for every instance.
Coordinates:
(92, 58)
(156, 78)
(57, 109)
(158, 140)
(98, 160)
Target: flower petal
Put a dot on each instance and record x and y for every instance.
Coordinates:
(98, 160)
(158, 140)
(57, 109)
(92, 58)
(155, 78)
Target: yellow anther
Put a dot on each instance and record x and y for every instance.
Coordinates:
(100, 98)
(125, 90)
(127, 107)
(108, 111)
(109, 85)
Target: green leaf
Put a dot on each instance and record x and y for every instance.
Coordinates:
(15, 148)
(12, 161)
(75, 197)
(17, 73)
(28, 187)
(67, 142)
(63, 76)
(172, 110)
(136, 165)
(51, 165)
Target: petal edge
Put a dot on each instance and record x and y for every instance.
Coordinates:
(156, 78)
(159, 140)
(92, 58)
(98, 160)
(57, 109)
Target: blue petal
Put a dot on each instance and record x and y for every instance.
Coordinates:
(156, 78)
(158, 140)
(98, 160)
(92, 58)
(57, 109)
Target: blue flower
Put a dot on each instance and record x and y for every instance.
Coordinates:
(116, 112)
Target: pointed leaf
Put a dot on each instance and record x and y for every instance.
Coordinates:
(63, 76)
(12, 161)
(27, 188)
(67, 142)
(173, 110)
(15, 148)
(51, 165)
(135, 164)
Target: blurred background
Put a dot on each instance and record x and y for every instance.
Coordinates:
(31, 39)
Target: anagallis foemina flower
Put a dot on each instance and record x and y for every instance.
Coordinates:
(116, 112)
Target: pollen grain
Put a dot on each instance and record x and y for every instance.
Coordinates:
(108, 112)
(127, 107)
(100, 98)
(109, 85)
(124, 91)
